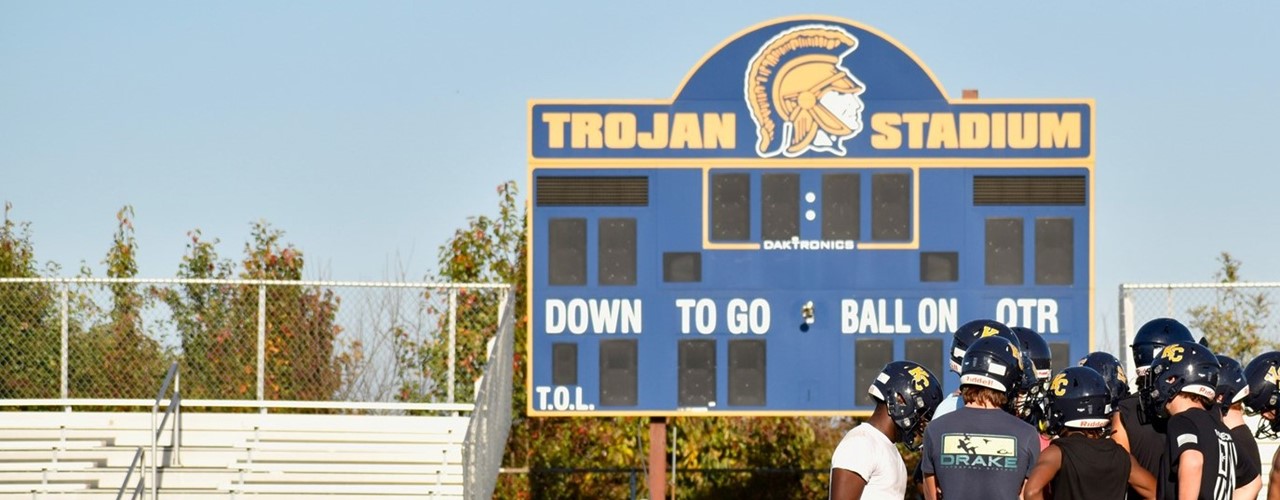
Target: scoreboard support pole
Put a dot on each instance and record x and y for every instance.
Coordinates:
(657, 458)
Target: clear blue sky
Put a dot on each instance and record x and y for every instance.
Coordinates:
(369, 131)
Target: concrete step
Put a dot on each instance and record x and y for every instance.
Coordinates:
(37, 487)
(51, 444)
(349, 489)
(380, 468)
(217, 495)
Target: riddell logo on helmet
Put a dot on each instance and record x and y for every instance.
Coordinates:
(801, 95)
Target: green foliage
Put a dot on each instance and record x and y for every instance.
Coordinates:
(1233, 324)
(30, 324)
(562, 452)
(129, 363)
(488, 250)
(217, 324)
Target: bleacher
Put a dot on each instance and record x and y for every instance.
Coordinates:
(86, 455)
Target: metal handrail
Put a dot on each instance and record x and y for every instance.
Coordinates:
(173, 408)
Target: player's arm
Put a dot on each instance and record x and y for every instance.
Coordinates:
(1042, 473)
(1273, 486)
(846, 484)
(1190, 466)
(1141, 480)
(1118, 432)
(930, 487)
(1249, 491)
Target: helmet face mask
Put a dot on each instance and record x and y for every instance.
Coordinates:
(910, 394)
(1262, 375)
(1181, 367)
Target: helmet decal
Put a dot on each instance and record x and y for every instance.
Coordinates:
(1059, 384)
(920, 376)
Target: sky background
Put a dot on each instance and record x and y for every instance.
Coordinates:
(370, 131)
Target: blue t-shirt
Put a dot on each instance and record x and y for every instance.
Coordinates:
(977, 453)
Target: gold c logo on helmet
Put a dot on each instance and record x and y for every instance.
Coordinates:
(1120, 375)
(1273, 375)
(1059, 385)
(1172, 353)
(988, 331)
(920, 376)
(1016, 355)
(801, 96)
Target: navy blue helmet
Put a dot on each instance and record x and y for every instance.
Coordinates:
(1034, 345)
(995, 363)
(970, 332)
(1109, 367)
(1079, 398)
(1152, 337)
(1232, 386)
(1181, 367)
(1263, 373)
(910, 393)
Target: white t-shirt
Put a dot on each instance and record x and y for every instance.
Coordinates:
(949, 404)
(869, 453)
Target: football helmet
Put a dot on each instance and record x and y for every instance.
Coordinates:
(1152, 337)
(1180, 367)
(910, 393)
(970, 332)
(1263, 373)
(1109, 367)
(1079, 398)
(1232, 386)
(996, 363)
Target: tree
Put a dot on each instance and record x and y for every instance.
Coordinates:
(218, 324)
(1234, 322)
(215, 327)
(30, 319)
(115, 357)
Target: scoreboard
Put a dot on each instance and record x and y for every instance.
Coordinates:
(809, 206)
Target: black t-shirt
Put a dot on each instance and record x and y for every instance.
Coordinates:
(1247, 452)
(1196, 429)
(1091, 468)
(1146, 442)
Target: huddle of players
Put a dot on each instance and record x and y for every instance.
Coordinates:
(1011, 431)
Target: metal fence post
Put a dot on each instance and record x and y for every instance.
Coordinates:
(1126, 330)
(453, 337)
(66, 308)
(262, 342)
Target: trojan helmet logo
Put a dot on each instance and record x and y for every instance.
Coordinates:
(801, 95)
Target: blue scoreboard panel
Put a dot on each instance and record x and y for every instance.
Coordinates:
(809, 206)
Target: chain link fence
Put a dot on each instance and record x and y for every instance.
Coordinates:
(246, 339)
(1236, 319)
